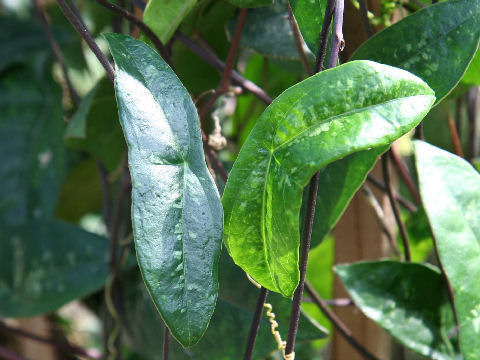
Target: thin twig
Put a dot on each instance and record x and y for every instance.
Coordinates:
(298, 39)
(337, 39)
(212, 59)
(402, 201)
(142, 26)
(56, 51)
(166, 343)
(64, 346)
(365, 19)
(396, 211)
(85, 34)
(257, 316)
(452, 128)
(380, 215)
(323, 39)
(338, 324)
(473, 97)
(405, 175)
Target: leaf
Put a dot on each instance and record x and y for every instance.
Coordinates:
(95, 128)
(472, 76)
(176, 211)
(450, 190)
(407, 300)
(164, 16)
(45, 264)
(31, 128)
(309, 16)
(338, 182)
(268, 32)
(354, 107)
(436, 43)
(231, 319)
(251, 3)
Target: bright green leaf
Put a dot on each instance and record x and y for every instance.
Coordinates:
(436, 43)
(31, 128)
(164, 16)
(45, 264)
(407, 300)
(95, 128)
(176, 211)
(309, 15)
(251, 3)
(450, 190)
(338, 112)
(472, 76)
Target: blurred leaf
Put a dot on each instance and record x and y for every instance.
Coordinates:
(309, 16)
(450, 190)
(407, 300)
(231, 320)
(31, 128)
(305, 129)
(95, 128)
(164, 16)
(472, 76)
(251, 3)
(176, 210)
(436, 43)
(45, 264)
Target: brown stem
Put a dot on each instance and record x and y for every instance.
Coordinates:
(64, 346)
(85, 34)
(405, 175)
(166, 343)
(56, 51)
(402, 201)
(323, 39)
(298, 39)
(257, 317)
(342, 329)
(211, 58)
(473, 98)
(365, 20)
(142, 26)
(396, 211)
(452, 128)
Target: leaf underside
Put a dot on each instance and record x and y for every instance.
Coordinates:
(176, 211)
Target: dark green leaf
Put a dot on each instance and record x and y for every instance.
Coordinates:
(95, 128)
(45, 264)
(450, 190)
(251, 3)
(436, 43)
(309, 16)
(231, 320)
(176, 211)
(338, 112)
(31, 128)
(164, 16)
(408, 300)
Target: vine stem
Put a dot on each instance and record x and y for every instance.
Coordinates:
(257, 316)
(298, 39)
(365, 20)
(381, 185)
(336, 6)
(56, 50)
(212, 59)
(452, 128)
(166, 343)
(337, 323)
(85, 34)
(405, 174)
(396, 211)
(144, 27)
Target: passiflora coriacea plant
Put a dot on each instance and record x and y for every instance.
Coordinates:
(186, 186)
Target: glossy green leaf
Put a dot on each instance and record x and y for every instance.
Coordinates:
(164, 16)
(176, 211)
(309, 15)
(31, 128)
(231, 320)
(45, 264)
(450, 190)
(337, 184)
(95, 128)
(268, 32)
(472, 76)
(354, 107)
(251, 3)
(436, 43)
(408, 300)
